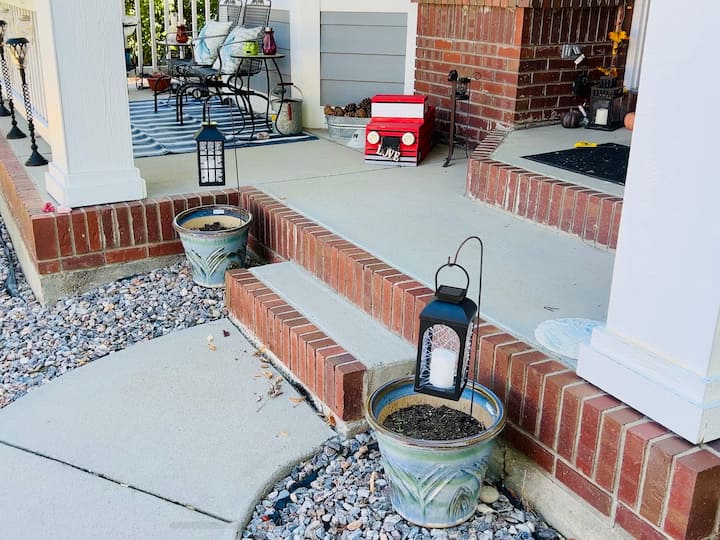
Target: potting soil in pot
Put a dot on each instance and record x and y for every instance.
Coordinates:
(433, 423)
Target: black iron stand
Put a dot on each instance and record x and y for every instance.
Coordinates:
(15, 132)
(458, 92)
(35, 159)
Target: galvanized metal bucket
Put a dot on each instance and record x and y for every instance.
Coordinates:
(286, 110)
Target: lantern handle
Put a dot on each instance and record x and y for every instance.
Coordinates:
(450, 265)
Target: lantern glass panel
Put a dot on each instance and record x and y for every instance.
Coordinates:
(440, 351)
(211, 162)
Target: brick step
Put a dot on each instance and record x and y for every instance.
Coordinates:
(337, 352)
(591, 215)
(624, 467)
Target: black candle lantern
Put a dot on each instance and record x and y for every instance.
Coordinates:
(211, 155)
(18, 47)
(606, 105)
(446, 324)
(15, 132)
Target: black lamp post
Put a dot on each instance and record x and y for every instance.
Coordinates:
(15, 132)
(18, 46)
(3, 109)
(210, 152)
(446, 323)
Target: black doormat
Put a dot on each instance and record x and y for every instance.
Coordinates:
(605, 161)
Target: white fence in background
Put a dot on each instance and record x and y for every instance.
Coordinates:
(21, 23)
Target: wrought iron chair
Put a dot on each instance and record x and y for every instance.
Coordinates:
(224, 78)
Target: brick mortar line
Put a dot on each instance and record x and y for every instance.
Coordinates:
(578, 432)
(601, 426)
(643, 471)
(561, 405)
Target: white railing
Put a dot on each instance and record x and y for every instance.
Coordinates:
(21, 23)
(173, 11)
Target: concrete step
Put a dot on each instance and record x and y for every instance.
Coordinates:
(336, 351)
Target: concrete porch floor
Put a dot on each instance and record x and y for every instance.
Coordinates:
(415, 217)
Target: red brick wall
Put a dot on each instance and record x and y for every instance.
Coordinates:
(512, 54)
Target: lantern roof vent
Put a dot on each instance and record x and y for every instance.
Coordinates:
(448, 293)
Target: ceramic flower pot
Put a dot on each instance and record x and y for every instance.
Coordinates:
(435, 483)
(215, 240)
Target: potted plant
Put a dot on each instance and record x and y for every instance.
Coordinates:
(215, 240)
(436, 430)
(435, 483)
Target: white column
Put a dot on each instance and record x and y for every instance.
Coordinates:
(660, 352)
(86, 87)
(305, 58)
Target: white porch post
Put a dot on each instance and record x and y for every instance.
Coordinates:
(305, 58)
(660, 352)
(87, 102)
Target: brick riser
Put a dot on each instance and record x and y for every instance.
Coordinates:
(640, 476)
(590, 215)
(325, 368)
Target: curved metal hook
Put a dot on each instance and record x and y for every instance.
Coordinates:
(453, 262)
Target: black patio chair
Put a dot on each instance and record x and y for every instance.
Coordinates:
(224, 78)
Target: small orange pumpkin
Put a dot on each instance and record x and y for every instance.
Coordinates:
(630, 120)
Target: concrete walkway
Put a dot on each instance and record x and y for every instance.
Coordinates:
(166, 439)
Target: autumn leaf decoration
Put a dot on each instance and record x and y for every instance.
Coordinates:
(616, 37)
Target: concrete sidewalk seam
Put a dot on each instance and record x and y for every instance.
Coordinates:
(117, 482)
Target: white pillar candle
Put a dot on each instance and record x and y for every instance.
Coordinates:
(601, 117)
(442, 368)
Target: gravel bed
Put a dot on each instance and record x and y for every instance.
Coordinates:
(341, 494)
(40, 343)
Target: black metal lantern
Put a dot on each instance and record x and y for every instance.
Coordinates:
(211, 155)
(446, 328)
(18, 47)
(606, 105)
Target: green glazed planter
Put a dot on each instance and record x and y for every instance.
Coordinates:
(211, 253)
(435, 484)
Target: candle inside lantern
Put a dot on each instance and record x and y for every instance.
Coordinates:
(601, 117)
(442, 368)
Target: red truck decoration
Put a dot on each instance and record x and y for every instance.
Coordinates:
(400, 130)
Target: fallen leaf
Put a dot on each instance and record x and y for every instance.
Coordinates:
(354, 525)
(264, 365)
(330, 420)
(226, 333)
(262, 349)
(212, 346)
(297, 400)
(283, 434)
(268, 374)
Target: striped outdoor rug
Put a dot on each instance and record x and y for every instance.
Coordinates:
(157, 133)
